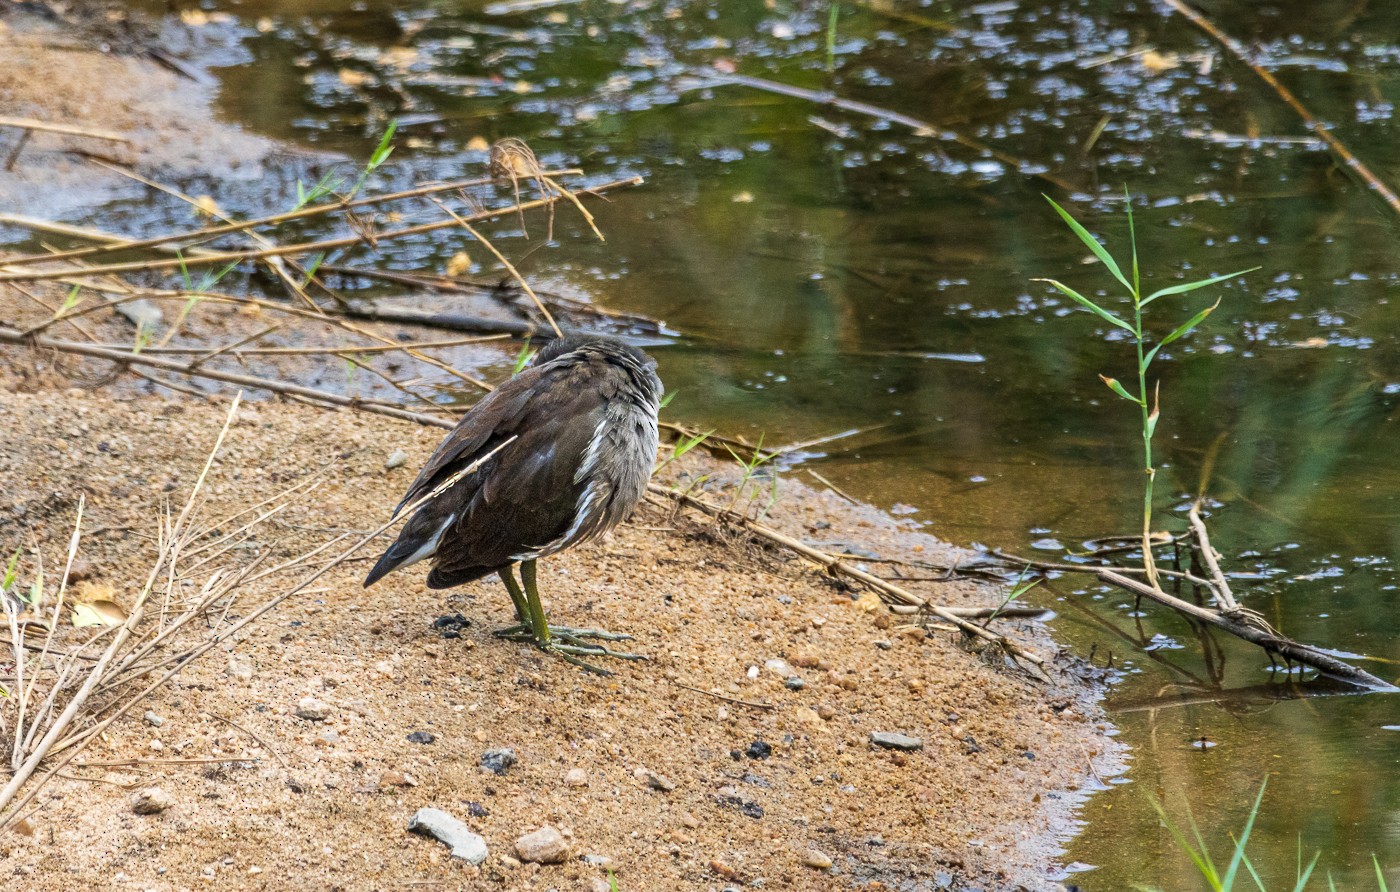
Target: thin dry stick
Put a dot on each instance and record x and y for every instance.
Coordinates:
(219, 637)
(539, 304)
(10, 335)
(1348, 159)
(327, 350)
(886, 589)
(225, 257)
(60, 725)
(116, 243)
(1267, 639)
(1224, 598)
(748, 703)
(66, 129)
(263, 743)
(278, 265)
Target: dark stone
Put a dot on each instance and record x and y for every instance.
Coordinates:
(451, 625)
(421, 737)
(793, 683)
(758, 750)
(477, 810)
(744, 807)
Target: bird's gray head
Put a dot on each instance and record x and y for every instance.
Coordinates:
(640, 367)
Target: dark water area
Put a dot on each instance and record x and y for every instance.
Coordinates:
(832, 271)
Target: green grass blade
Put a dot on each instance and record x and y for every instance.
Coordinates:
(1092, 244)
(1089, 305)
(1244, 836)
(1380, 877)
(1192, 286)
(666, 400)
(1302, 877)
(1199, 858)
(1119, 389)
(1191, 323)
(385, 148)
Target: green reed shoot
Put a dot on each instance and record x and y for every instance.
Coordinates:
(1149, 410)
(1217, 879)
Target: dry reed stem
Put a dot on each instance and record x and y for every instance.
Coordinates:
(97, 672)
(515, 273)
(211, 232)
(887, 590)
(12, 336)
(1269, 640)
(225, 257)
(65, 129)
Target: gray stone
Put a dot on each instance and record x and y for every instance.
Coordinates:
(446, 829)
(313, 709)
(498, 760)
(396, 459)
(151, 801)
(892, 741)
(544, 846)
(151, 718)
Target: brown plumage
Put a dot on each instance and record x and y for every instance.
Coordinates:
(577, 437)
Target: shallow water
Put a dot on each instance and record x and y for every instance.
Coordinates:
(832, 272)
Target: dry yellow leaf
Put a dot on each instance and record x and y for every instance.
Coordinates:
(478, 144)
(207, 206)
(195, 18)
(1156, 62)
(352, 78)
(459, 264)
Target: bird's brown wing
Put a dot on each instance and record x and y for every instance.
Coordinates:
(526, 496)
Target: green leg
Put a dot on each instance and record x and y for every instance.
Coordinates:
(517, 597)
(565, 642)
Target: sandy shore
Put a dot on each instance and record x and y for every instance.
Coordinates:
(669, 787)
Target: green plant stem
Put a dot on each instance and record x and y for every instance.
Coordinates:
(1148, 564)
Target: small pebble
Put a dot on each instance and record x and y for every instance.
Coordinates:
(498, 760)
(396, 459)
(891, 741)
(759, 750)
(313, 709)
(440, 825)
(422, 737)
(816, 859)
(660, 782)
(239, 668)
(807, 715)
(576, 777)
(794, 683)
(779, 668)
(543, 846)
(151, 718)
(150, 801)
(602, 862)
(328, 737)
(826, 712)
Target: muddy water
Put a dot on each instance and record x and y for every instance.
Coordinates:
(835, 272)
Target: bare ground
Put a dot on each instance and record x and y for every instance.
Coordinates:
(981, 803)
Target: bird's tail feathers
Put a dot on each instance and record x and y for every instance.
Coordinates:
(413, 545)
